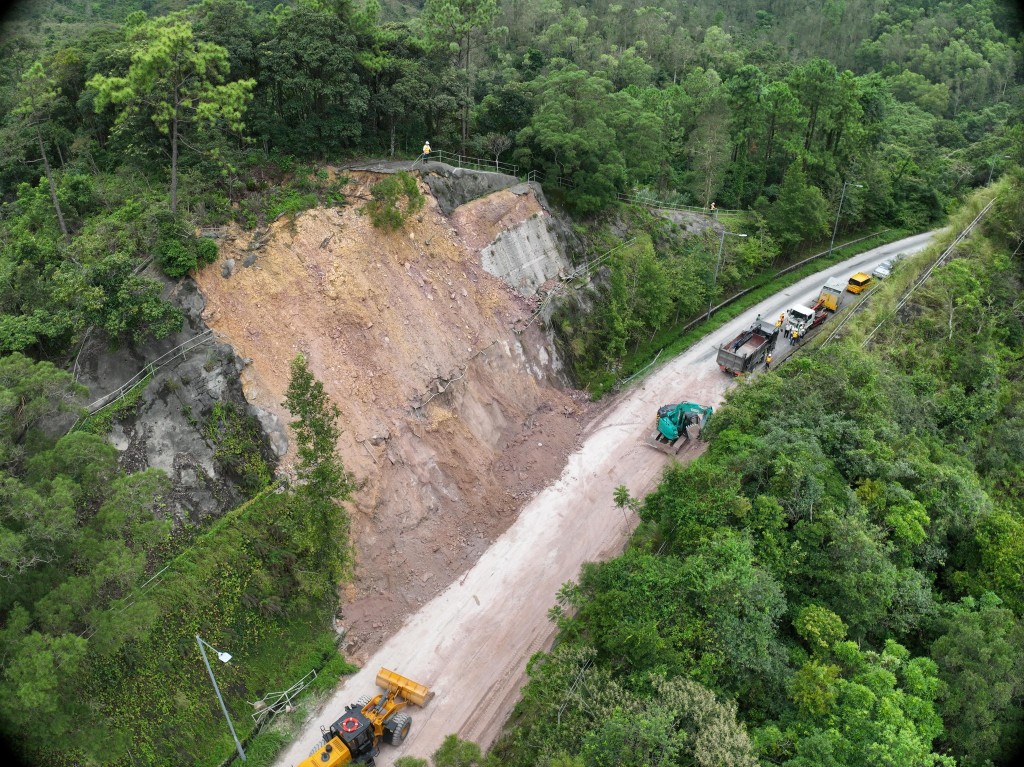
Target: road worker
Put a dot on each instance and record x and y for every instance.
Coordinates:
(768, 362)
(426, 151)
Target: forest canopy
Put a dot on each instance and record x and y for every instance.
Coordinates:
(834, 583)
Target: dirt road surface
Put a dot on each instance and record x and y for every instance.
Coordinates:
(471, 643)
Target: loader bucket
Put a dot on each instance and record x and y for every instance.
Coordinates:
(414, 692)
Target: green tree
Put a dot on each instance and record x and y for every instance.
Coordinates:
(980, 657)
(177, 80)
(463, 26)
(317, 515)
(312, 93)
(38, 97)
(800, 213)
(569, 135)
(29, 391)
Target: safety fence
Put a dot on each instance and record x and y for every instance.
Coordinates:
(274, 703)
(179, 352)
(473, 163)
(651, 202)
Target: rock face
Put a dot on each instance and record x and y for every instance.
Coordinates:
(166, 429)
(452, 187)
(454, 405)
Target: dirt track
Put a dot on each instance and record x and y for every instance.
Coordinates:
(471, 642)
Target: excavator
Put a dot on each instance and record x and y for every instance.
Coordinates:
(355, 737)
(674, 423)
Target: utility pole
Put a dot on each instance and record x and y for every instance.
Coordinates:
(224, 658)
(718, 264)
(838, 213)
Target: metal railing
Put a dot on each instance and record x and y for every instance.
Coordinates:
(274, 703)
(181, 350)
(472, 163)
(651, 202)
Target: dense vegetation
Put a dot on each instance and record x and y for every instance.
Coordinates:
(123, 130)
(844, 562)
(125, 126)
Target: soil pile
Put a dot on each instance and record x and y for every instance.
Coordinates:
(451, 420)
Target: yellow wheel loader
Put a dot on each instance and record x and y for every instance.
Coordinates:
(355, 737)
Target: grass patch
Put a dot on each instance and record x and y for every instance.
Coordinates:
(102, 421)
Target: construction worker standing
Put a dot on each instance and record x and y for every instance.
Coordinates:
(426, 152)
(768, 362)
(794, 337)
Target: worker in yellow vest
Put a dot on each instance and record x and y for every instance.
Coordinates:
(426, 151)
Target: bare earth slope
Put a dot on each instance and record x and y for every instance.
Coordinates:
(451, 420)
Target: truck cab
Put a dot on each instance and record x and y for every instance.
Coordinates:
(801, 317)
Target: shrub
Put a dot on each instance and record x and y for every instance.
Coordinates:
(386, 209)
(175, 259)
(206, 251)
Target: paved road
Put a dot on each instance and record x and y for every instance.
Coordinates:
(471, 643)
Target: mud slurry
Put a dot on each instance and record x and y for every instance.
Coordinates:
(450, 419)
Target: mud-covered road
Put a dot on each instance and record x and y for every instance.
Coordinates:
(470, 644)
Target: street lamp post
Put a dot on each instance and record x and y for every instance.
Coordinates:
(718, 264)
(992, 167)
(224, 657)
(838, 213)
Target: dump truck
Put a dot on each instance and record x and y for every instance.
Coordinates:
(747, 350)
(354, 738)
(831, 295)
(675, 425)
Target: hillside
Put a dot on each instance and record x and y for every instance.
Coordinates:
(450, 417)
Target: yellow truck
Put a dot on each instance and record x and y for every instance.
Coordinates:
(858, 282)
(831, 294)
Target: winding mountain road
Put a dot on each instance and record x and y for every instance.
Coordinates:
(471, 643)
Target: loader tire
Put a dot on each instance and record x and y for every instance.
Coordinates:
(396, 729)
(361, 701)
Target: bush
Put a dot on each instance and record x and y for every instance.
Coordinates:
(179, 256)
(386, 209)
(175, 259)
(206, 251)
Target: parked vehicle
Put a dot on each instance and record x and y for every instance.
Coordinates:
(804, 318)
(858, 282)
(675, 425)
(883, 270)
(832, 293)
(747, 350)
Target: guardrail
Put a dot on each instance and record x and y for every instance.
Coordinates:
(791, 267)
(473, 163)
(651, 202)
(181, 350)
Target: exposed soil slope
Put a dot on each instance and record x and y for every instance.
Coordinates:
(451, 420)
